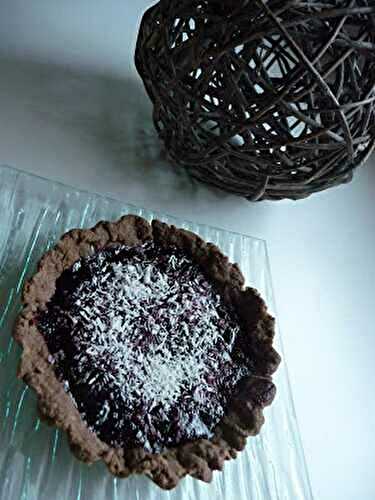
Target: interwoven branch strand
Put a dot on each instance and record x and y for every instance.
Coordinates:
(267, 99)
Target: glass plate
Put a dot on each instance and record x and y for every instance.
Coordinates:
(35, 461)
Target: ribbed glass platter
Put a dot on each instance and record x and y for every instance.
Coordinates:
(35, 461)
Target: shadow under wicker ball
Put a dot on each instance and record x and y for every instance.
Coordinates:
(265, 99)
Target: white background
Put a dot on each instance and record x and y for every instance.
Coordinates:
(73, 109)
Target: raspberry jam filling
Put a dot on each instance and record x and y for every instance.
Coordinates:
(145, 346)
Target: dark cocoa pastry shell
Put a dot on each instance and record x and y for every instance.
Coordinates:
(245, 414)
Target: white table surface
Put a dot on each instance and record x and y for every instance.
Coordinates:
(73, 109)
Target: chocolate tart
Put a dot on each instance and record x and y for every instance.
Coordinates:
(144, 346)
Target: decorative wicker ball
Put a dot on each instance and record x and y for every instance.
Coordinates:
(267, 99)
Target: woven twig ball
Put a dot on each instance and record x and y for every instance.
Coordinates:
(267, 99)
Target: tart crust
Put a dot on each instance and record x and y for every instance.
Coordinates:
(244, 416)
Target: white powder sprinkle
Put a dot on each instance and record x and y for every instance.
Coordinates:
(151, 370)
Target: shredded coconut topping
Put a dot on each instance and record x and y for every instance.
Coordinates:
(145, 344)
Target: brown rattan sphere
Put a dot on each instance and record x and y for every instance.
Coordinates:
(267, 99)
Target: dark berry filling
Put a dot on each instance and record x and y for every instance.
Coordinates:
(145, 346)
